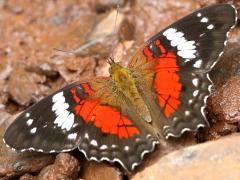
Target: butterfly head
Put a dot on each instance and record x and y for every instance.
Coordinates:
(119, 73)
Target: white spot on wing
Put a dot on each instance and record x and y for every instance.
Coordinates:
(187, 53)
(199, 14)
(178, 41)
(114, 146)
(169, 31)
(72, 136)
(62, 108)
(202, 34)
(86, 135)
(33, 130)
(68, 123)
(195, 93)
(29, 122)
(190, 101)
(176, 35)
(56, 97)
(189, 45)
(126, 148)
(187, 113)
(210, 26)
(198, 63)
(58, 104)
(61, 118)
(103, 147)
(27, 115)
(195, 81)
(94, 142)
(204, 20)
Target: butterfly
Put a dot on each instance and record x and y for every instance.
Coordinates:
(161, 93)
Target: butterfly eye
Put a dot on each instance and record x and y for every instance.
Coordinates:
(155, 50)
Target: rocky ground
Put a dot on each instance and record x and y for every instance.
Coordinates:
(31, 68)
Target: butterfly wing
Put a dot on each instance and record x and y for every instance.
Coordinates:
(184, 53)
(42, 127)
(69, 119)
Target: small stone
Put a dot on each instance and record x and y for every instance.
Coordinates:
(223, 108)
(77, 68)
(27, 177)
(65, 167)
(229, 64)
(23, 86)
(102, 37)
(101, 171)
(16, 9)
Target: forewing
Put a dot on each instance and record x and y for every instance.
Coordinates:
(184, 53)
(48, 126)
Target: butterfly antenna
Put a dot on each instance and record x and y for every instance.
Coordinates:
(111, 58)
(67, 52)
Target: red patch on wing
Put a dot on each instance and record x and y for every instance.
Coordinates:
(87, 88)
(166, 81)
(107, 118)
(148, 53)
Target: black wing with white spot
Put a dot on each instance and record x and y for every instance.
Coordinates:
(199, 38)
(185, 52)
(199, 41)
(48, 126)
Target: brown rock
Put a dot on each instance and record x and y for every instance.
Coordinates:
(27, 177)
(204, 3)
(165, 147)
(229, 64)
(223, 107)
(227, 101)
(101, 171)
(150, 17)
(14, 164)
(101, 39)
(24, 86)
(78, 68)
(65, 167)
(43, 67)
(211, 160)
